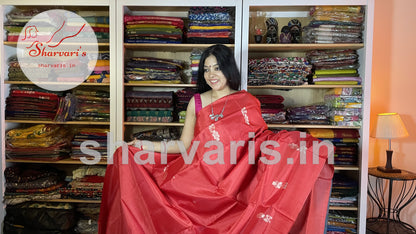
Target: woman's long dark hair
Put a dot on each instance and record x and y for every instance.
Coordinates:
(227, 64)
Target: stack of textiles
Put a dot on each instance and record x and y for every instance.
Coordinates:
(278, 71)
(335, 24)
(87, 222)
(147, 106)
(159, 134)
(341, 222)
(86, 183)
(26, 102)
(313, 114)
(15, 72)
(345, 104)
(99, 21)
(98, 135)
(344, 191)
(93, 105)
(153, 29)
(66, 108)
(40, 217)
(101, 71)
(272, 108)
(16, 20)
(154, 70)
(195, 57)
(32, 182)
(182, 98)
(334, 67)
(39, 142)
(345, 142)
(210, 25)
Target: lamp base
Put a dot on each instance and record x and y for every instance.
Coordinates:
(389, 170)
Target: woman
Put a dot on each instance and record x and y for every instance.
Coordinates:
(227, 174)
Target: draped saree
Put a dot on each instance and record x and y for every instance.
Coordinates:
(234, 184)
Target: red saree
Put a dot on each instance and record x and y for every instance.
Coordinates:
(226, 197)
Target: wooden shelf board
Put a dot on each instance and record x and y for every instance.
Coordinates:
(55, 122)
(161, 85)
(153, 124)
(343, 208)
(305, 86)
(63, 161)
(300, 47)
(347, 168)
(70, 201)
(167, 47)
(53, 83)
(309, 126)
(14, 43)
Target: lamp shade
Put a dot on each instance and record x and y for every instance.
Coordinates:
(389, 126)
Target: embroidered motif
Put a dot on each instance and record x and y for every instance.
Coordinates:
(279, 185)
(266, 218)
(303, 149)
(293, 146)
(244, 112)
(214, 133)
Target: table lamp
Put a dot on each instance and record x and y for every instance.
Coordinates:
(389, 126)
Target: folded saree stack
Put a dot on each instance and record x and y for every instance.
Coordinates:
(153, 29)
(16, 20)
(86, 183)
(344, 191)
(15, 72)
(345, 142)
(210, 25)
(31, 103)
(182, 98)
(147, 106)
(92, 105)
(27, 182)
(40, 217)
(345, 106)
(158, 134)
(98, 135)
(195, 57)
(312, 114)
(101, 71)
(272, 108)
(39, 142)
(99, 21)
(87, 218)
(341, 222)
(278, 71)
(154, 70)
(335, 24)
(337, 67)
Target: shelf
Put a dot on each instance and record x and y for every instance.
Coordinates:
(14, 44)
(153, 124)
(63, 161)
(310, 126)
(171, 47)
(70, 201)
(269, 125)
(300, 47)
(161, 85)
(343, 208)
(305, 86)
(53, 83)
(54, 122)
(346, 168)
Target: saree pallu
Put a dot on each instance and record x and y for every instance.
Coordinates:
(215, 194)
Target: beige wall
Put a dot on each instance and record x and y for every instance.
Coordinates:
(394, 83)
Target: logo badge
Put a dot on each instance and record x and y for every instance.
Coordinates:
(57, 50)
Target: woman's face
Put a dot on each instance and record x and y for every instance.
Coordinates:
(213, 75)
